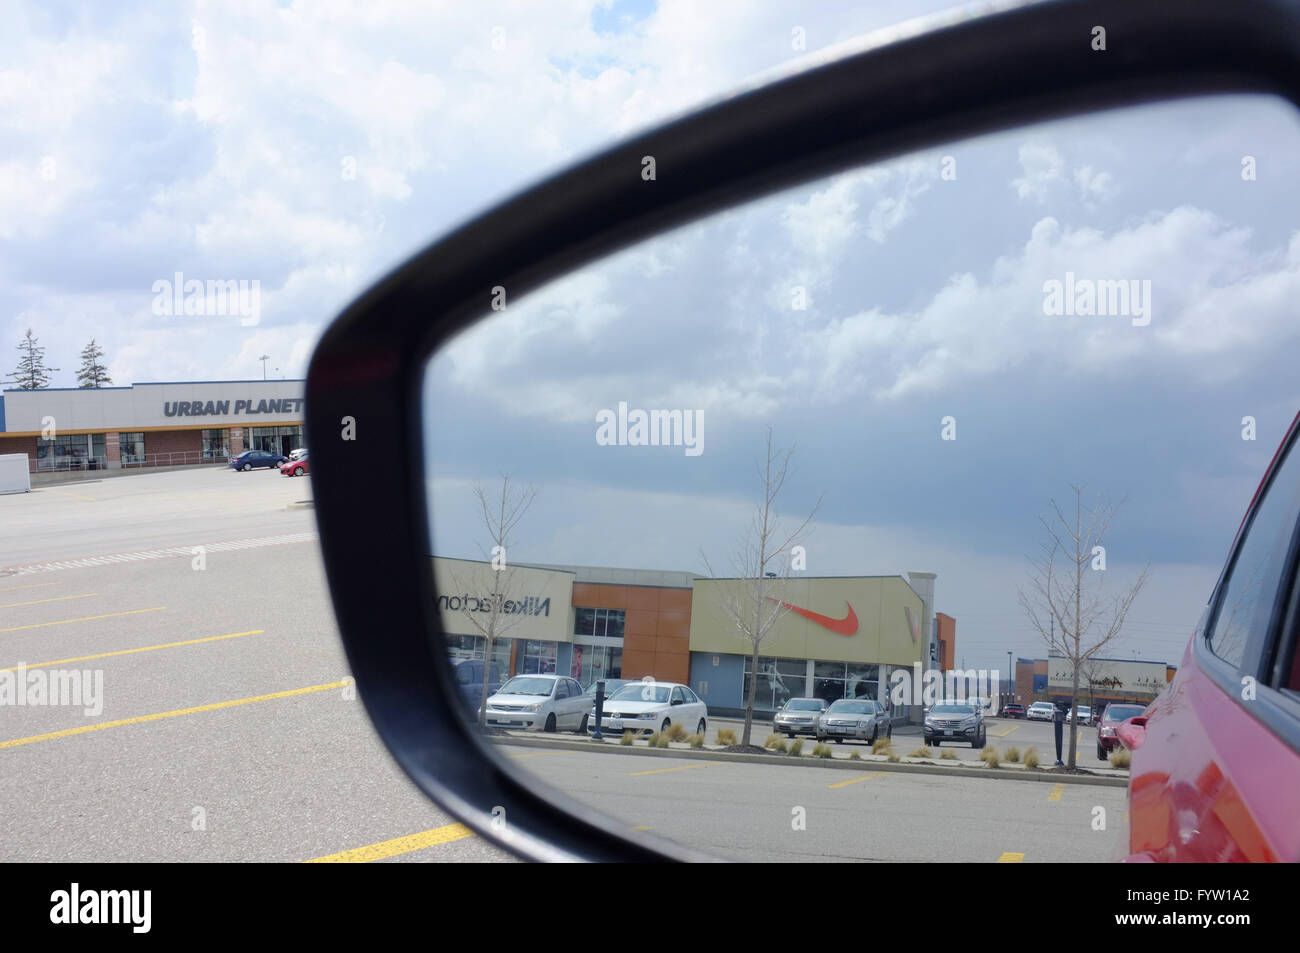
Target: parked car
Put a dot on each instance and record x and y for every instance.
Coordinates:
(252, 459)
(955, 721)
(611, 686)
(1216, 762)
(299, 467)
(1114, 716)
(650, 706)
(539, 702)
(1041, 711)
(469, 679)
(799, 716)
(298, 454)
(1085, 715)
(854, 719)
(1013, 711)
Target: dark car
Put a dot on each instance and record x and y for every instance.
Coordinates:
(469, 680)
(1013, 711)
(611, 686)
(252, 459)
(1114, 716)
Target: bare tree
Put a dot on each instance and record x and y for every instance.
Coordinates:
(501, 609)
(762, 563)
(1065, 602)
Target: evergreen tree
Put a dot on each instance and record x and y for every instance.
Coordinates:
(92, 373)
(31, 372)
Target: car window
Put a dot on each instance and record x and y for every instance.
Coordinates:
(677, 695)
(1249, 592)
(465, 674)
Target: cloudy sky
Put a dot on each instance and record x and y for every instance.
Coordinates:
(312, 147)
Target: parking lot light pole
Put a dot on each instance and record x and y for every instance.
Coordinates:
(600, 709)
(1011, 686)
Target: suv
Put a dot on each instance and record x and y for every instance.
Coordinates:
(955, 721)
(799, 716)
(1041, 711)
(1013, 711)
(469, 680)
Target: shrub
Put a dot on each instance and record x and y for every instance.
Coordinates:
(1013, 754)
(991, 756)
(796, 747)
(628, 738)
(856, 756)
(774, 742)
(893, 755)
(654, 739)
(947, 754)
(1120, 758)
(1031, 758)
(821, 750)
(697, 741)
(726, 736)
(882, 744)
(663, 741)
(677, 733)
(921, 752)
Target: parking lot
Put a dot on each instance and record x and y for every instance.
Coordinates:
(226, 727)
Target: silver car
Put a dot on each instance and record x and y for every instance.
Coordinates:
(799, 716)
(855, 719)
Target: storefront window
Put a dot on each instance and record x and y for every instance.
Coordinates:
(98, 455)
(538, 658)
(594, 662)
(131, 447)
(216, 444)
(599, 623)
(471, 646)
(778, 681)
(64, 452)
(282, 440)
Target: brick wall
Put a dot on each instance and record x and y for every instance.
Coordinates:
(25, 445)
(173, 441)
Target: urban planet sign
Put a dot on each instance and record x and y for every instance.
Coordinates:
(221, 408)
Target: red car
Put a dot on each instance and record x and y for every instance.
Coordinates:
(1115, 715)
(1013, 711)
(298, 467)
(1216, 758)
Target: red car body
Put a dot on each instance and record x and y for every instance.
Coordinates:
(298, 467)
(1216, 758)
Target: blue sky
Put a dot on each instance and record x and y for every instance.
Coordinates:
(314, 146)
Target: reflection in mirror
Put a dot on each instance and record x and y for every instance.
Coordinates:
(850, 442)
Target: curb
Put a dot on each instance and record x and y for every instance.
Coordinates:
(833, 764)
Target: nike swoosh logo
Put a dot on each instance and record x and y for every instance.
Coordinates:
(846, 626)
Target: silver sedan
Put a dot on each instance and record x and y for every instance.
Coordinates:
(855, 719)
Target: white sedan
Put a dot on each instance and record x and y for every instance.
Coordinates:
(1041, 711)
(652, 706)
(548, 702)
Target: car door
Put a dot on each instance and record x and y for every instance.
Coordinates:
(1198, 792)
(577, 704)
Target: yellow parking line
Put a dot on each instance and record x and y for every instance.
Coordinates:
(147, 648)
(1056, 792)
(1010, 857)
(641, 828)
(865, 777)
(88, 618)
(685, 767)
(70, 493)
(37, 602)
(101, 726)
(35, 585)
(398, 845)
(1007, 732)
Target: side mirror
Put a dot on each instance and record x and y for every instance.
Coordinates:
(1132, 733)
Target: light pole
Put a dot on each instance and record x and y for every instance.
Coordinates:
(264, 358)
(1011, 686)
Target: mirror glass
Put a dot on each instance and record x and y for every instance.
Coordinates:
(816, 447)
